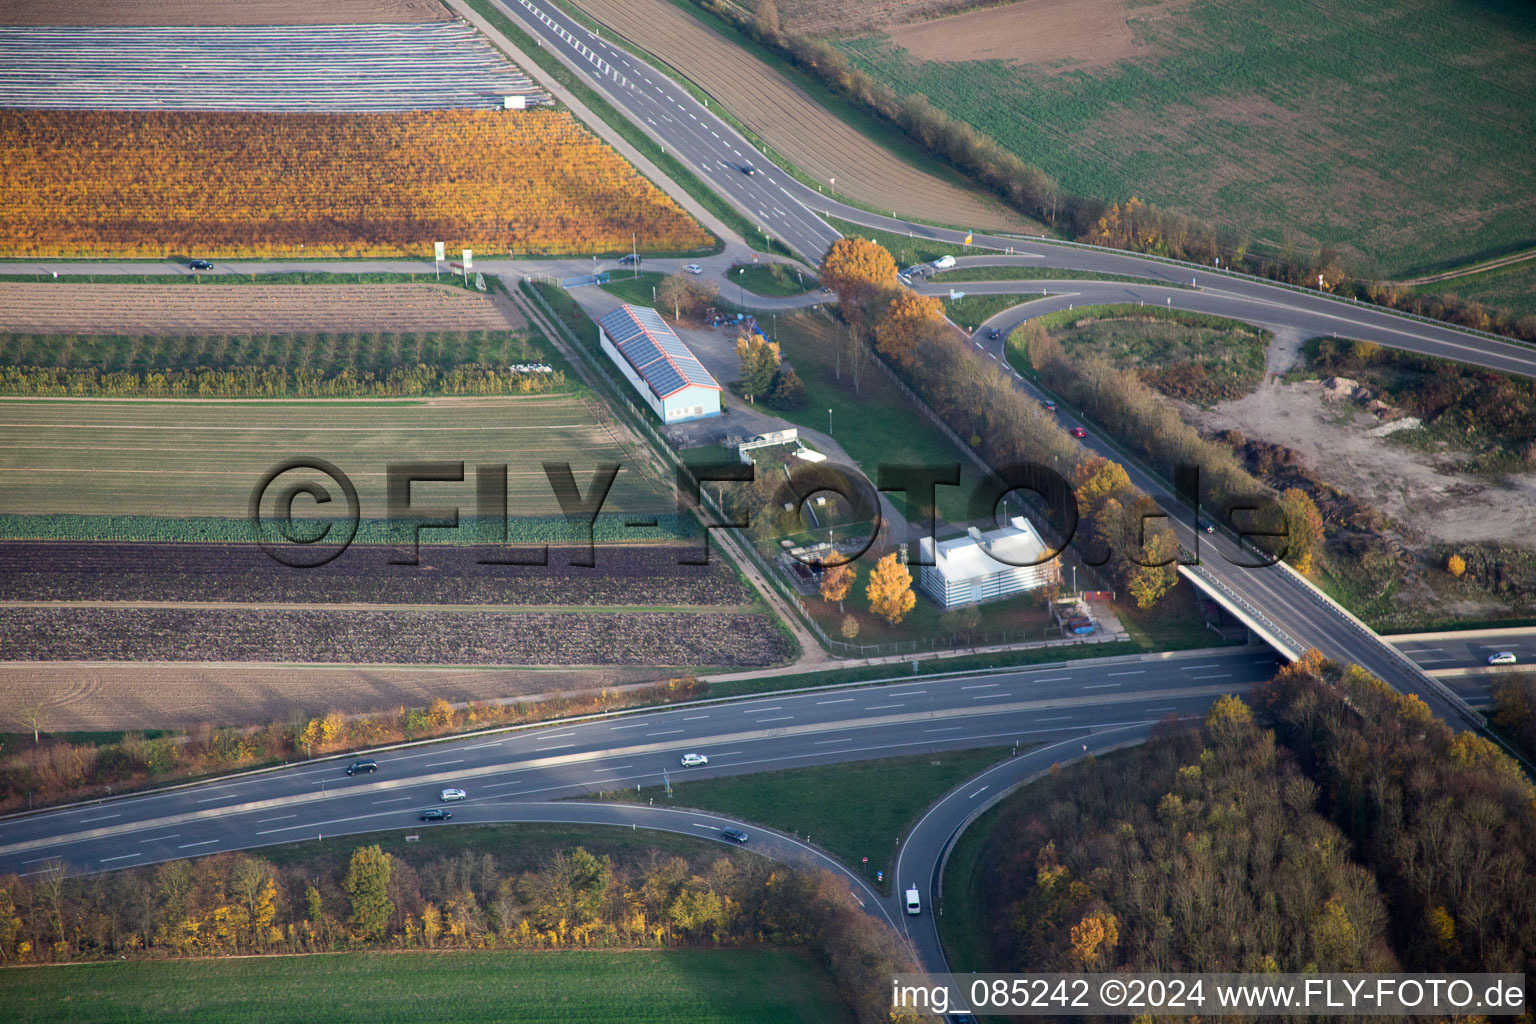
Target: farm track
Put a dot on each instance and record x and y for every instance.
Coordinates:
(248, 309)
(797, 127)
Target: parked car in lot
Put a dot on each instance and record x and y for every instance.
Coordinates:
(357, 767)
(630, 259)
(1078, 432)
(694, 268)
(694, 760)
(436, 814)
(735, 835)
(450, 795)
(200, 265)
(1502, 658)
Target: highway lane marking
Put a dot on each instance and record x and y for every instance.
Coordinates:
(1133, 672)
(840, 700)
(121, 856)
(210, 842)
(884, 707)
(104, 817)
(666, 732)
(1217, 675)
(35, 860)
(1196, 668)
(478, 746)
(1059, 718)
(1162, 709)
(779, 718)
(908, 693)
(754, 710)
(980, 686)
(1050, 679)
(161, 839)
(694, 718)
(952, 728)
(823, 743)
(1419, 650)
(559, 736)
(439, 764)
(980, 791)
(557, 746)
(211, 799)
(281, 817)
(991, 696)
(615, 768)
(618, 728)
(391, 800)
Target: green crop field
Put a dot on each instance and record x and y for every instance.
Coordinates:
(187, 458)
(1398, 131)
(1511, 288)
(675, 987)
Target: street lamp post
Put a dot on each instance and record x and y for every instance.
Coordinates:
(829, 422)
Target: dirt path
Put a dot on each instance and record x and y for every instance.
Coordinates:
(792, 123)
(1476, 268)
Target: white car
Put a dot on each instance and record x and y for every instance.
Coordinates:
(694, 268)
(450, 795)
(914, 901)
(1502, 658)
(694, 760)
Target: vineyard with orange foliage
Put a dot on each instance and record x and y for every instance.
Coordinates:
(124, 183)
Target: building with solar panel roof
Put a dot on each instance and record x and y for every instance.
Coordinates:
(658, 365)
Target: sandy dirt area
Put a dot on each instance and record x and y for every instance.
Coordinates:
(1067, 35)
(792, 123)
(91, 696)
(1425, 497)
(219, 12)
(248, 309)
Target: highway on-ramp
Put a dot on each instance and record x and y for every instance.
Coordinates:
(626, 750)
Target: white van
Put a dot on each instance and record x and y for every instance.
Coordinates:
(914, 901)
(943, 263)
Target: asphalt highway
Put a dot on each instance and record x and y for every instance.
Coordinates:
(627, 750)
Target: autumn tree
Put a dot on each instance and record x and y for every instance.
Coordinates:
(857, 269)
(890, 590)
(1303, 528)
(685, 293)
(905, 319)
(1096, 480)
(787, 392)
(759, 362)
(1456, 565)
(766, 18)
(1093, 938)
(367, 886)
(850, 627)
(837, 581)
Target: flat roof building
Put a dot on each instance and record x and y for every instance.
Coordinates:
(964, 570)
(658, 365)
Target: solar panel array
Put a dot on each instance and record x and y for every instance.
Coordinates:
(282, 68)
(655, 351)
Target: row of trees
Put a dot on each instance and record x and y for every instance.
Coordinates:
(1354, 832)
(274, 382)
(52, 769)
(888, 590)
(1132, 224)
(1514, 711)
(979, 401)
(239, 904)
(72, 183)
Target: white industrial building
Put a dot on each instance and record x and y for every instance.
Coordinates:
(964, 571)
(658, 365)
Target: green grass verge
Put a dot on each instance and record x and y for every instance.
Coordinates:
(686, 985)
(904, 249)
(775, 280)
(1037, 274)
(1511, 289)
(854, 810)
(972, 311)
(635, 288)
(968, 908)
(648, 147)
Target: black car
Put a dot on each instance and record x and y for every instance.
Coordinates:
(362, 766)
(1206, 526)
(735, 835)
(994, 334)
(200, 265)
(629, 260)
(748, 169)
(436, 814)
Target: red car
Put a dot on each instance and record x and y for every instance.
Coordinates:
(1078, 432)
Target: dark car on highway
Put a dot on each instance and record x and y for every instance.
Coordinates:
(200, 265)
(436, 814)
(362, 766)
(994, 334)
(735, 835)
(748, 169)
(1048, 405)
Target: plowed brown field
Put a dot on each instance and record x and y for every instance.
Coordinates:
(222, 12)
(247, 309)
(792, 123)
